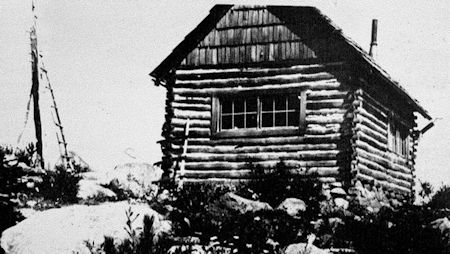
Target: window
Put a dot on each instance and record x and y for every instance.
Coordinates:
(256, 113)
(398, 137)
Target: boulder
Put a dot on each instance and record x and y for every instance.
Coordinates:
(293, 207)
(304, 248)
(338, 192)
(243, 205)
(442, 224)
(134, 179)
(91, 189)
(68, 229)
(341, 203)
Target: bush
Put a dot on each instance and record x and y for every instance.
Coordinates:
(135, 244)
(400, 231)
(441, 199)
(10, 186)
(275, 185)
(199, 210)
(60, 185)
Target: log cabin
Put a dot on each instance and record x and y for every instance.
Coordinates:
(264, 84)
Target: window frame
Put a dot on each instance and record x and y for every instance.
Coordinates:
(398, 137)
(218, 132)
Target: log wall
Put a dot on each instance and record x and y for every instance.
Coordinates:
(373, 162)
(322, 150)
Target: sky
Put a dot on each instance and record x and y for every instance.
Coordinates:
(99, 53)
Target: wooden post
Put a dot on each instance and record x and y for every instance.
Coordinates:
(65, 155)
(35, 94)
(183, 155)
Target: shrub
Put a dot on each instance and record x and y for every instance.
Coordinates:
(441, 199)
(275, 185)
(396, 231)
(135, 244)
(60, 185)
(10, 186)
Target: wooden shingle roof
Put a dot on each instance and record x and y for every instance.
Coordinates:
(233, 35)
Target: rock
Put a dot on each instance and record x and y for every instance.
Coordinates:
(67, 229)
(90, 189)
(303, 248)
(338, 192)
(341, 203)
(442, 224)
(293, 207)
(24, 166)
(191, 249)
(31, 203)
(134, 179)
(243, 205)
(163, 196)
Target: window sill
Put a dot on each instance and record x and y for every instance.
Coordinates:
(264, 132)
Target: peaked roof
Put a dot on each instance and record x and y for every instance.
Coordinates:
(192, 40)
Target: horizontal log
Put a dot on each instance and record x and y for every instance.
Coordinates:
(193, 132)
(371, 149)
(382, 161)
(192, 99)
(394, 112)
(306, 139)
(248, 174)
(379, 175)
(375, 166)
(261, 156)
(220, 165)
(384, 184)
(382, 176)
(372, 133)
(191, 114)
(191, 106)
(258, 149)
(179, 122)
(236, 181)
(252, 82)
(327, 94)
(377, 112)
(361, 111)
(326, 111)
(370, 124)
(325, 119)
(323, 129)
(252, 72)
(319, 85)
(366, 138)
(331, 103)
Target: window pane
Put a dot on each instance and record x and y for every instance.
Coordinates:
(226, 122)
(239, 105)
(280, 103)
(226, 106)
(251, 120)
(239, 121)
(293, 102)
(267, 104)
(293, 118)
(280, 119)
(251, 104)
(267, 119)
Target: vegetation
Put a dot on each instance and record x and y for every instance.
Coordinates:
(441, 200)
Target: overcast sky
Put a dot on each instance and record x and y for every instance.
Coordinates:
(99, 53)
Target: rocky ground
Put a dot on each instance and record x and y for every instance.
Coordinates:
(108, 202)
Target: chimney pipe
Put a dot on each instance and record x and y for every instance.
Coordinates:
(373, 42)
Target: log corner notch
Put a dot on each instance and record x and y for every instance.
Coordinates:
(263, 52)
